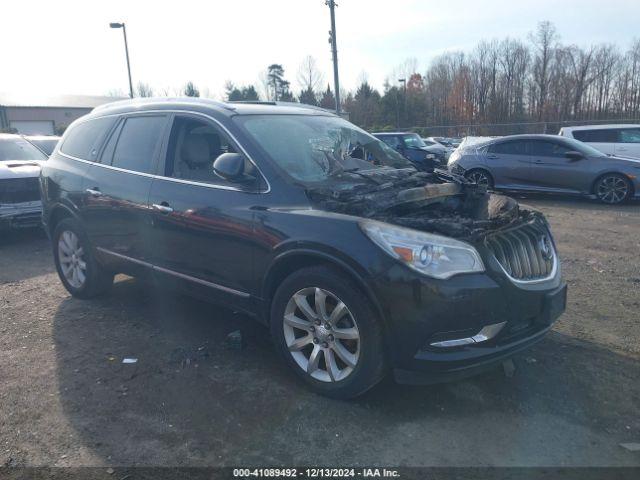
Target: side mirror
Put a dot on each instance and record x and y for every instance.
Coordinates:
(574, 156)
(229, 166)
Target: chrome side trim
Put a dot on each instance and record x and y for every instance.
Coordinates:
(487, 333)
(202, 282)
(160, 177)
(124, 257)
(176, 274)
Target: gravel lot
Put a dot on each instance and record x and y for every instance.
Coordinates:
(66, 399)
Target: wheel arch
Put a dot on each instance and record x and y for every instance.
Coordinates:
(58, 213)
(288, 262)
(612, 172)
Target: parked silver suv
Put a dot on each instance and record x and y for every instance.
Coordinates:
(548, 163)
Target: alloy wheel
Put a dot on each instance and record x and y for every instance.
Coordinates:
(612, 189)
(321, 334)
(71, 257)
(479, 178)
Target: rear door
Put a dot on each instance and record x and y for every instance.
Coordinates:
(603, 139)
(116, 210)
(509, 164)
(551, 170)
(629, 142)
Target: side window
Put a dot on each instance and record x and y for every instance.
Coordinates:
(630, 135)
(539, 148)
(605, 135)
(84, 139)
(138, 142)
(193, 147)
(392, 141)
(508, 148)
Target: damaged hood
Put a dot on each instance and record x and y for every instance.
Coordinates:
(436, 202)
(19, 168)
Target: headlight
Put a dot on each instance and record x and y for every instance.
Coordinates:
(429, 254)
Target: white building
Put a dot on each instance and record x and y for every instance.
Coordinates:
(45, 115)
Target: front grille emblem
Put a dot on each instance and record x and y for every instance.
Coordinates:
(546, 249)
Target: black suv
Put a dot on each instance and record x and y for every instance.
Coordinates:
(358, 263)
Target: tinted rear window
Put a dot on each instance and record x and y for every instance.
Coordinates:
(509, 148)
(138, 142)
(84, 140)
(609, 135)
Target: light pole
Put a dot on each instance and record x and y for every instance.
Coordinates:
(334, 50)
(126, 51)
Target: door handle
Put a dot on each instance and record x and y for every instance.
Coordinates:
(492, 157)
(94, 192)
(162, 207)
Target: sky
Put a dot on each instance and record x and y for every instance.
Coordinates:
(67, 47)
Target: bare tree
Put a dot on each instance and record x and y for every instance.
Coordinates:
(144, 90)
(309, 76)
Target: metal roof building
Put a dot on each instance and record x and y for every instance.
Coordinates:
(34, 114)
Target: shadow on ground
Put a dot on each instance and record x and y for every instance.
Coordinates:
(193, 399)
(28, 243)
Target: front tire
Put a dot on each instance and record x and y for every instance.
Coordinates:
(327, 332)
(77, 267)
(612, 189)
(480, 177)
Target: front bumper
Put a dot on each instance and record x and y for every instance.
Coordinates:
(422, 313)
(21, 215)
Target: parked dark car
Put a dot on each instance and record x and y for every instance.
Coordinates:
(20, 163)
(414, 149)
(357, 268)
(44, 143)
(548, 164)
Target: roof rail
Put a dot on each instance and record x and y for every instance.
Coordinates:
(282, 104)
(146, 100)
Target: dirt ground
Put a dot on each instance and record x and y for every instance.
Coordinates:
(66, 398)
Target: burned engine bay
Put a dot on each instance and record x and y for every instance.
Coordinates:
(436, 202)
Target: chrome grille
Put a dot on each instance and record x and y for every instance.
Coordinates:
(17, 190)
(526, 253)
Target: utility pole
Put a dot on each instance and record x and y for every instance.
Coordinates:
(126, 51)
(334, 50)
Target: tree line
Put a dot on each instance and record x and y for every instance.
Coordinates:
(500, 87)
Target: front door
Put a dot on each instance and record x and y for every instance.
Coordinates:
(552, 170)
(117, 188)
(202, 227)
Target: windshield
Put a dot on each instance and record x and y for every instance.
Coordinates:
(314, 148)
(413, 141)
(583, 148)
(19, 149)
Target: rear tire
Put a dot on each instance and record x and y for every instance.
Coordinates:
(612, 189)
(76, 264)
(334, 342)
(480, 177)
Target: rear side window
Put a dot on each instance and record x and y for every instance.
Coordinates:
(137, 144)
(84, 139)
(630, 135)
(539, 148)
(508, 148)
(608, 135)
(392, 141)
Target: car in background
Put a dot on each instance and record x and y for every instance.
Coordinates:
(436, 146)
(413, 148)
(548, 164)
(45, 143)
(618, 140)
(20, 163)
